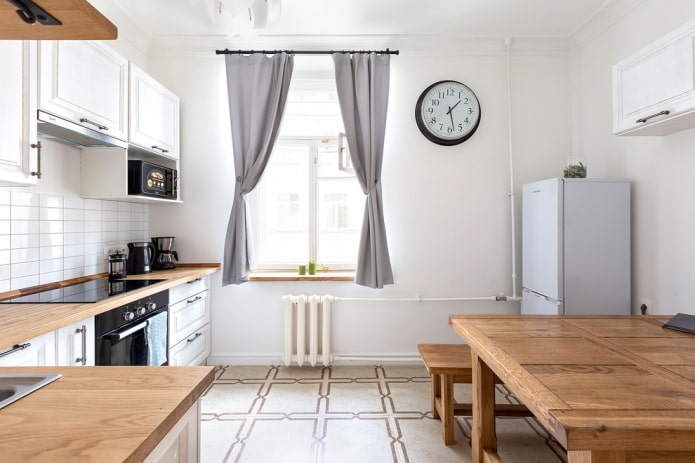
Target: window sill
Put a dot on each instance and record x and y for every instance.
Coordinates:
(294, 276)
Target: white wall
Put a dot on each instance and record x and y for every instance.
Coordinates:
(659, 167)
(446, 208)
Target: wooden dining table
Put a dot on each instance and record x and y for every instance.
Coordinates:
(610, 389)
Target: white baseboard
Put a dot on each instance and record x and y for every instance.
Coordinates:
(341, 359)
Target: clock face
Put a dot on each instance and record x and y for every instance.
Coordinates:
(447, 112)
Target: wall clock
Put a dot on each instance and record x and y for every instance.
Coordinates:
(447, 112)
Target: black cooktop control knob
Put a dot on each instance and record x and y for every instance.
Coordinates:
(128, 316)
(151, 306)
(141, 311)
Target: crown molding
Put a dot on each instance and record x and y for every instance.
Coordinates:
(609, 14)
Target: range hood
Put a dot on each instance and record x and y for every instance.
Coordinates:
(54, 127)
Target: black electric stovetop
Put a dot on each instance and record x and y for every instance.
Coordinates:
(89, 291)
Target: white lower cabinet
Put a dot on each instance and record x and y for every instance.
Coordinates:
(181, 444)
(75, 344)
(36, 352)
(189, 323)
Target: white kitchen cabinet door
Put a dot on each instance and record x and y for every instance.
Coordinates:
(75, 344)
(36, 352)
(154, 115)
(654, 89)
(182, 443)
(85, 82)
(18, 89)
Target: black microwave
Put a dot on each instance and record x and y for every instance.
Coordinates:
(147, 179)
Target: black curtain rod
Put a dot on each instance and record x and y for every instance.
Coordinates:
(303, 52)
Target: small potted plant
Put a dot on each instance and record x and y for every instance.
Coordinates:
(575, 168)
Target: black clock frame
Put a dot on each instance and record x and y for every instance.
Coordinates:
(423, 126)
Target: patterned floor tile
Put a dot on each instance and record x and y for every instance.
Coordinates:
(245, 372)
(358, 440)
(355, 397)
(229, 398)
(291, 398)
(217, 437)
(348, 414)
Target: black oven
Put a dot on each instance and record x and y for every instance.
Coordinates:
(135, 333)
(147, 179)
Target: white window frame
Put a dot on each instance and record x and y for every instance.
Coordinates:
(315, 142)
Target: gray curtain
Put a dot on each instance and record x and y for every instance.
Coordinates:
(362, 80)
(257, 88)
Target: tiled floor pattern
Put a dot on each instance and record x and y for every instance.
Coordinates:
(376, 414)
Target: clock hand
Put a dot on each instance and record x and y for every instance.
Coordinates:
(451, 116)
(451, 108)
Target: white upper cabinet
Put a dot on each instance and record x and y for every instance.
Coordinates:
(87, 83)
(154, 115)
(18, 147)
(654, 89)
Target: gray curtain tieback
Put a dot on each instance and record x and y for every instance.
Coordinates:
(374, 186)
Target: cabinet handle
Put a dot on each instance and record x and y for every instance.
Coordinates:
(194, 337)
(191, 301)
(154, 147)
(16, 348)
(83, 359)
(99, 126)
(645, 119)
(193, 281)
(37, 146)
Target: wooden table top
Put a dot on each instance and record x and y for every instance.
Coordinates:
(21, 322)
(98, 414)
(598, 382)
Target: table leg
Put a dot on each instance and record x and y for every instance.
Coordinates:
(447, 384)
(483, 435)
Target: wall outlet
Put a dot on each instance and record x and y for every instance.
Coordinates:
(645, 306)
(120, 248)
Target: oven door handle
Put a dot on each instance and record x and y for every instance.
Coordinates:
(125, 333)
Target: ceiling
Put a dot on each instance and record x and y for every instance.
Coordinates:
(310, 18)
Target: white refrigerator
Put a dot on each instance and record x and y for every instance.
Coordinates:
(576, 247)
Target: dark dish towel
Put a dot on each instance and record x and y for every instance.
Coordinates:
(681, 322)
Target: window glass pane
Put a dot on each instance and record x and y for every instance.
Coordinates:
(282, 203)
(339, 217)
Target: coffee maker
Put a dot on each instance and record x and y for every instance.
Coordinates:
(164, 256)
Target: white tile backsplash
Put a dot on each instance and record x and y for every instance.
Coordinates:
(24, 227)
(46, 238)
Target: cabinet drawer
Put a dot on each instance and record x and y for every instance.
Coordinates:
(181, 292)
(193, 350)
(36, 352)
(187, 316)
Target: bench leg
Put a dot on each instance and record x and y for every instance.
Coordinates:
(447, 412)
(435, 391)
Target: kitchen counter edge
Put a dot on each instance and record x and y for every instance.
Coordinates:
(21, 322)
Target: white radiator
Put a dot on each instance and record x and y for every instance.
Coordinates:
(307, 329)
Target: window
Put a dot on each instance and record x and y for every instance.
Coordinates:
(308, 205)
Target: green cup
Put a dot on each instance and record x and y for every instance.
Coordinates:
(302, 269)
(312, 267)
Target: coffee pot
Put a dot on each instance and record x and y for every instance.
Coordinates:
(164, 255)
(140, 257)
(117, 266)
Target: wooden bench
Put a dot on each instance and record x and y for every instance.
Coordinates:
(448, 364)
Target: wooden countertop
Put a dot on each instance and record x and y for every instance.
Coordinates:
(21, 322)
(104, 414)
